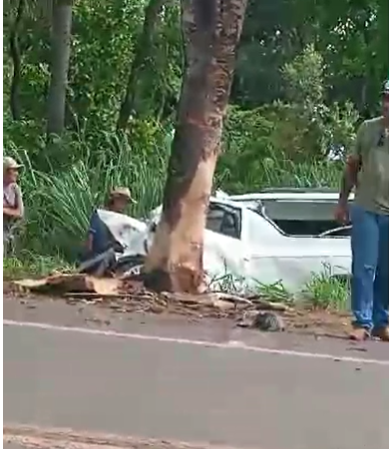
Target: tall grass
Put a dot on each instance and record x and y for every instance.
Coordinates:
(59, 203)
(61, 195)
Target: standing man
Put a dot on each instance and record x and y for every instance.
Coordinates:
(367, 169)
(13, 208)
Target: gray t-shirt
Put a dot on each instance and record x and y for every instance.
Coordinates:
(12, 198)
(372, 146)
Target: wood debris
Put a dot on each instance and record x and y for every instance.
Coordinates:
(127, 295)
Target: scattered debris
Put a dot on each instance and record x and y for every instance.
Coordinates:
(357, 349)
(75, 283)
(262, 320)
(129, 295)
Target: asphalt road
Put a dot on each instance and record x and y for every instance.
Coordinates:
(243, 395)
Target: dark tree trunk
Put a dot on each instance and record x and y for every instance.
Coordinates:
(14, 50)
(142, 52)
(211, 30)
(61, 51)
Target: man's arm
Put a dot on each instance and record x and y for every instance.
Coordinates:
(18, 211)
(90, 241)
(349, 178)
(12, 212)
(94, 224)
(352, 167)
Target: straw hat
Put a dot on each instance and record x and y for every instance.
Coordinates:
(122, 192)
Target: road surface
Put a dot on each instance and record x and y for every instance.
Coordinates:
(241, 390)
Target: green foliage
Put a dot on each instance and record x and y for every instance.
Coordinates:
(283, 120)
(351, 36)
(60, 200)
(104, 37)
(304, 78)
(318, 125)
(326, 291)
(103, 41)
(27, 264)
(286, 144)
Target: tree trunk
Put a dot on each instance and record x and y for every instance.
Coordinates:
(61, 51)
(141, 54)
(211, 30)
(14, 50)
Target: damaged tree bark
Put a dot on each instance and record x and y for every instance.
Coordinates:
(211, 31)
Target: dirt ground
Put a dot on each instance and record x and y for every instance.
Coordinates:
(297, 320)
(32, 437)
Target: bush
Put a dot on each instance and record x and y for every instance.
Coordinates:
(254, 157)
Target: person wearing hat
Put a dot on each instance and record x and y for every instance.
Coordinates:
(99, 239)
(367, 170)
(13, 208)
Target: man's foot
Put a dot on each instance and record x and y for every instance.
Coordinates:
(382, 333)
(359, 334)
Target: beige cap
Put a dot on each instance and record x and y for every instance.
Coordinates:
(122, 192)
(10, 163)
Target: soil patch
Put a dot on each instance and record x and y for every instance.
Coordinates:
(34, 437)
(195, 309)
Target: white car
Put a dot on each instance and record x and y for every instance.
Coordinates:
(242, 241)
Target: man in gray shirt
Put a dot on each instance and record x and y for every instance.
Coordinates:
(13, 208)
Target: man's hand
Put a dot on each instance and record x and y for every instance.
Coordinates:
(12, 212)
(341, 213)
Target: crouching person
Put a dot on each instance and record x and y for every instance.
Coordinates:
(13, 208)
(99, 258)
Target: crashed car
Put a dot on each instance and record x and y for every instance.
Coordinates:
(242, 241)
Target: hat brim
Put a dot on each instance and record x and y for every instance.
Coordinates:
(14, 167)
(119, 194)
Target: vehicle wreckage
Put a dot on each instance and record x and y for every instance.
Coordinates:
(273, 237)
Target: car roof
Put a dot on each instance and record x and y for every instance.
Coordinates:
(301, 190)
(290, 194)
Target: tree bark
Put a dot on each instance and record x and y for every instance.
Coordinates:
(211, 31)
(141, 54)
(16, 110)
(61, 51)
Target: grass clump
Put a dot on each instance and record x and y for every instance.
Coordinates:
(323, 292)
(327, 291)
(27, 264)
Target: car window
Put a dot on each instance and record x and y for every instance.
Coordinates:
(305, 225)
(225, 220)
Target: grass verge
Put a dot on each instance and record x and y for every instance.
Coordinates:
(28, 265)
(322, 292)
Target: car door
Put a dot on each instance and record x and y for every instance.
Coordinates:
(292, 260)
(223, 248)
